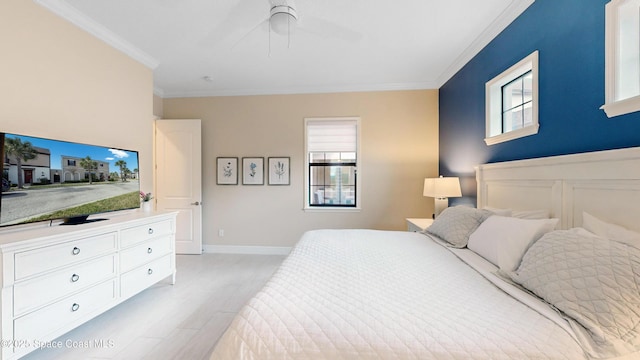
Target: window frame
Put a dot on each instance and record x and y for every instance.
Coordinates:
(358, 168)
(612, 106)
(494, 101)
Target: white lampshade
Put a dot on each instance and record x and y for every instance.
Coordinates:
(283, 19)
(441, 189)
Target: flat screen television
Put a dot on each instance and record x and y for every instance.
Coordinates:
(48, 179)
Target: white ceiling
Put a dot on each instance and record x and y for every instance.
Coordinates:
(354, 45)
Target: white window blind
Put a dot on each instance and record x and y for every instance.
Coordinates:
(332, 136)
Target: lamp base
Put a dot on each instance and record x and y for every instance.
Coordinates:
(439, 205)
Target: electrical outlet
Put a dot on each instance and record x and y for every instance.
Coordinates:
(221, 232)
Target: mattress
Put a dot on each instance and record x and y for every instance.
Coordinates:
(368, 294)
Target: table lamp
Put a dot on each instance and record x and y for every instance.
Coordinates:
(441, 189)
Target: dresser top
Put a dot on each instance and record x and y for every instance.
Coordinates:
(23, 235)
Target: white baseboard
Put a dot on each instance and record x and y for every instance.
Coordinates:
(249, 250)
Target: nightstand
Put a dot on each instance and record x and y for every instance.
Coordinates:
(418, 225)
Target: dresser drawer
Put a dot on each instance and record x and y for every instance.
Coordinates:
(32, 262)
(145, 252)
(141, 278)
(44, 323)
(30, 294)
(138, 234)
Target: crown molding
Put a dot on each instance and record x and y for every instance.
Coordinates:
(515, 9)
(300, 90)
(158, 92)
(74, 16)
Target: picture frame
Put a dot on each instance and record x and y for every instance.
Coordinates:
(279, 170)
(252, 171)
(227, 170)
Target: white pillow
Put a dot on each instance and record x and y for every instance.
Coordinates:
(531, 214)
(503, 240)
(521, 214)
(609, 230)
(497, 211)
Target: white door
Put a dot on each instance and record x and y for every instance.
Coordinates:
(178, 158)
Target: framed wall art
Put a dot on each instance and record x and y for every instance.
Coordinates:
(227, 171)
(252, 171)
(279, 170)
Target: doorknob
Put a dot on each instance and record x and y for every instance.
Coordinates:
(196, 203)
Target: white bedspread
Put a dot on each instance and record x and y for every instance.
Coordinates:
(366, 294)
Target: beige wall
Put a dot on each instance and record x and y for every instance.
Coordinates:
(59, 81)
(399, 149)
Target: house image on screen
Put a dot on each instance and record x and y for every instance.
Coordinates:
(72, 169)
(36, 170)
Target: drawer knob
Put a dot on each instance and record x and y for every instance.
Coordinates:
(150, 231)
(75, 277)
(149, 250)
(75, 251)
(150, 271)
(75, 307)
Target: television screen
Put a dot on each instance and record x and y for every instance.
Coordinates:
(47, 179)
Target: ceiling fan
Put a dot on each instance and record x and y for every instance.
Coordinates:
(281, 18)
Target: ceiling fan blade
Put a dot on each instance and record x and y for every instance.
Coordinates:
(242, 19)
(329, 29)
(264, 23)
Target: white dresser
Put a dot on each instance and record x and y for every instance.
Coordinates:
(54, 278)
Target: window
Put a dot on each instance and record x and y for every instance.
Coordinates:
(622, 57)
(512, 102)
(516, 103)
(331, 163)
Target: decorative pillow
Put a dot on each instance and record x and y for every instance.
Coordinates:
(608, 230)
(592, 280)
(455, 224)
(503, 240)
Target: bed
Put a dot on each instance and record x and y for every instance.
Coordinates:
(512, 279)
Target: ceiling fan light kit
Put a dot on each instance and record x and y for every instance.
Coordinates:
(282, 19)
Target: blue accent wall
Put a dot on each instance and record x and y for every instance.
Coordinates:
(569, 35)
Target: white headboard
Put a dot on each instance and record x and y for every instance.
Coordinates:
(604, 183)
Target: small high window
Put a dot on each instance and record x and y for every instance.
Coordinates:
(516, 103)
(512, 102)
(622, 57)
